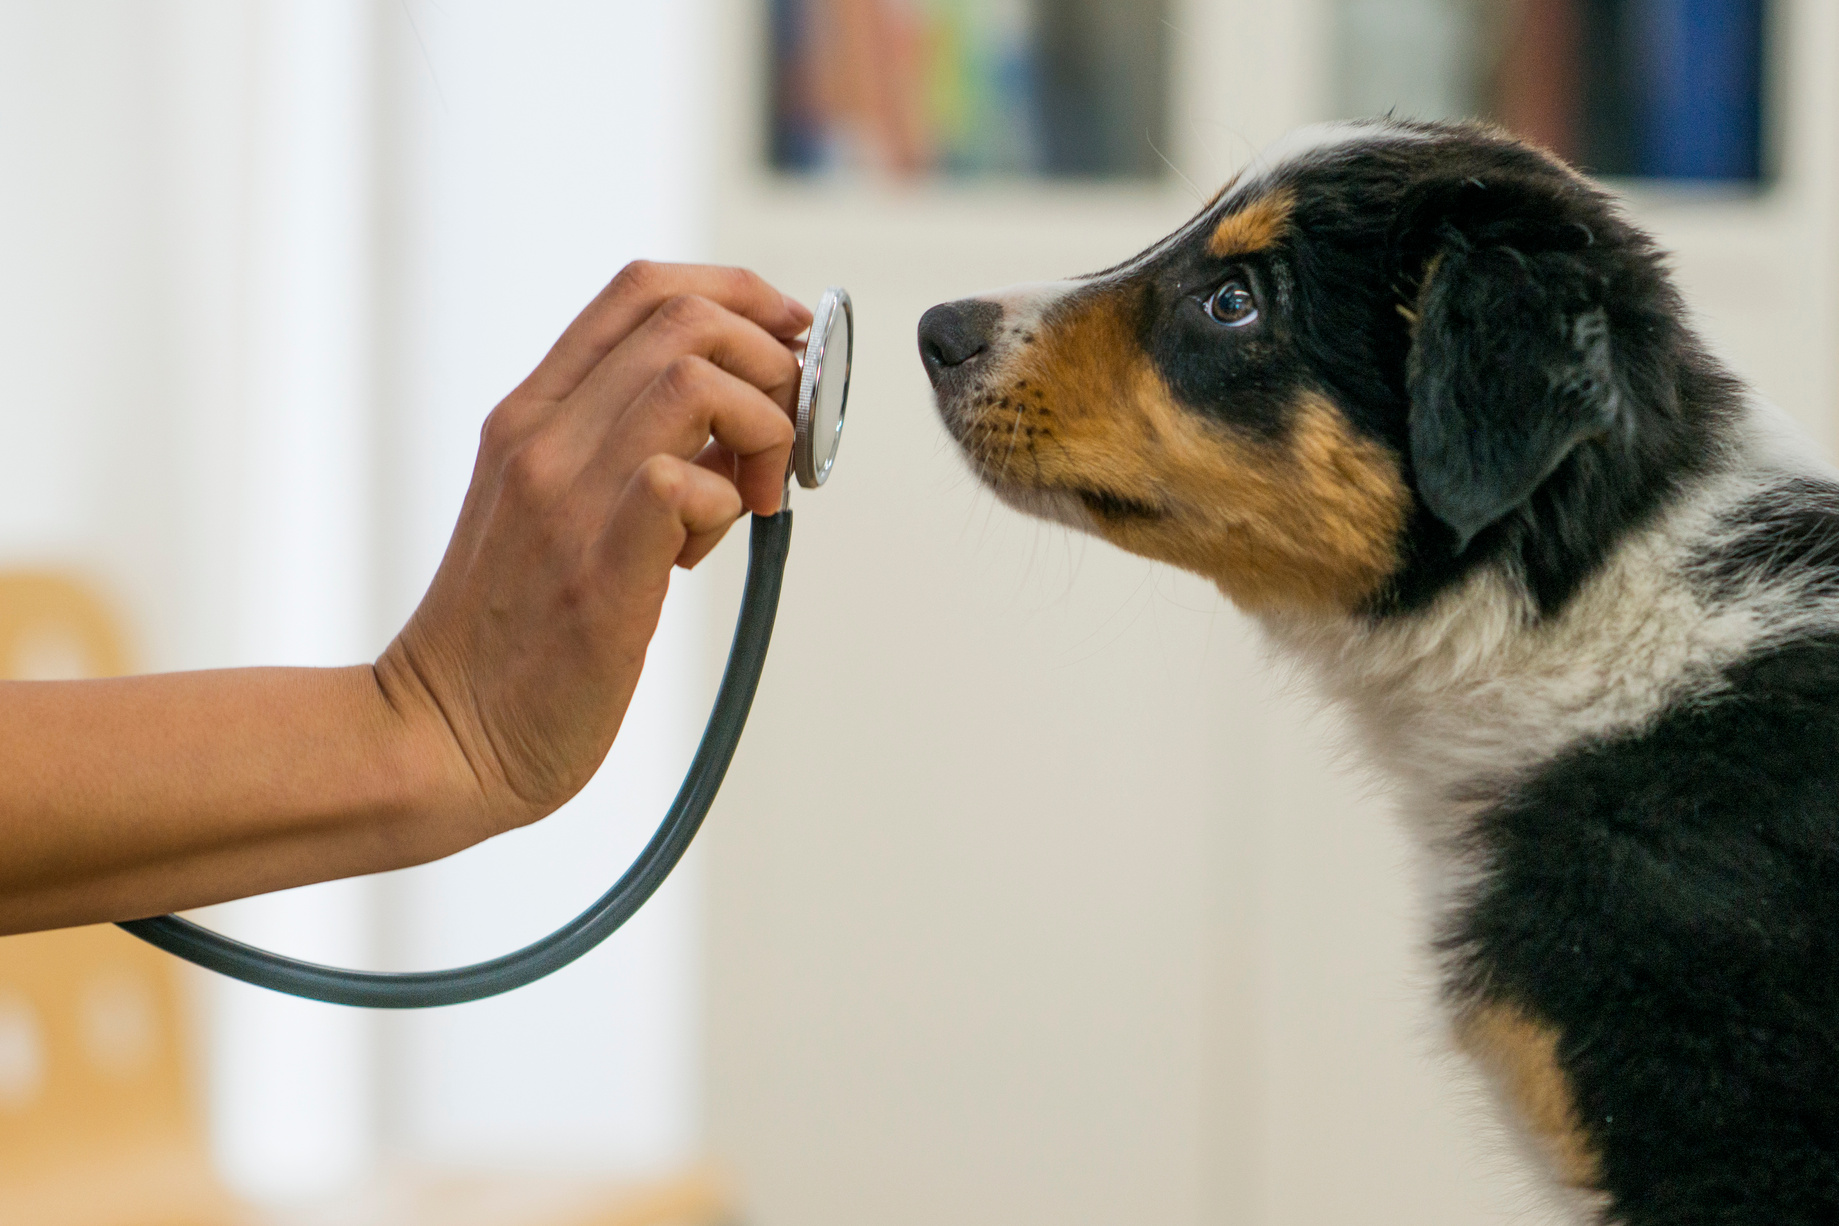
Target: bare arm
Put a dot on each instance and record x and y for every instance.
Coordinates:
(657, 419)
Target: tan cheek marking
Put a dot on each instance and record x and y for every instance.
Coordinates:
(1256, 227)
(1310, 520)
(1522, 1055)
(1315, 519)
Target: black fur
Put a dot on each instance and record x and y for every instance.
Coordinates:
(1668, 902)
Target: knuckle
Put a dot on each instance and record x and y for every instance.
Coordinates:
(685, 376)
(530, 472)
(661, 479)
(502, 428)
(636, 277)
(687, 312)
(741, 281)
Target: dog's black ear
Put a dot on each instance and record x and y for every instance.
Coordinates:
(1512, 366)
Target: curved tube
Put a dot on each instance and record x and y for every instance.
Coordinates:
(769, 543)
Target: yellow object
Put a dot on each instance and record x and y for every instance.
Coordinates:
(54, 628)
(96, 1120)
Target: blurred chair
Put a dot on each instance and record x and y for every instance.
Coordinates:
(99, 1124)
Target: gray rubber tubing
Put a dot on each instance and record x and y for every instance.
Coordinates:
(769, 543)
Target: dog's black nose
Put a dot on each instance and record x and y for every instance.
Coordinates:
(954, 333)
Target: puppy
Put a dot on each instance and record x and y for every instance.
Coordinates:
(1421, 400)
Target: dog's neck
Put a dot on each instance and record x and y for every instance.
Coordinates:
(1454, 701)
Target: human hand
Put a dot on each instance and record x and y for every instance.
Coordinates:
(659, 417)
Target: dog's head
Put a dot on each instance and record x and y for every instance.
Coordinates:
(1400, 352)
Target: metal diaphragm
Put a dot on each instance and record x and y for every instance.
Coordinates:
(823, 391)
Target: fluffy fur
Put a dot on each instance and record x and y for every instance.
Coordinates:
(1422, 399)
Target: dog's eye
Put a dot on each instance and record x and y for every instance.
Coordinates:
(1232, 304)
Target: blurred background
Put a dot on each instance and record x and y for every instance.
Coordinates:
(1034, 895)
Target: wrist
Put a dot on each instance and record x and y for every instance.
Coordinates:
(433, 784)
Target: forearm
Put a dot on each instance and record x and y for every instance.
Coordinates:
(140, 795)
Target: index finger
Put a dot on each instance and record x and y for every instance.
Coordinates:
(639, 289)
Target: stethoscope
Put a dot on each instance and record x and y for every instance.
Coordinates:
(823, 392)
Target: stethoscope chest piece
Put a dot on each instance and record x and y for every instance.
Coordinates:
(823, 388)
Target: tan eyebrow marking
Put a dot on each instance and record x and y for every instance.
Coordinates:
(1256, 227)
